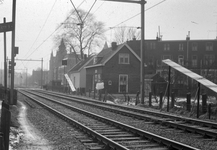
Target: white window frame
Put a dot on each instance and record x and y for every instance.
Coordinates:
(181, 60)
(125, 57)
(209, 59)
(94, 60)
(194, 46)
(194, 60)
(166, 47)
(181, 46)
(123, 83)
(209, 46)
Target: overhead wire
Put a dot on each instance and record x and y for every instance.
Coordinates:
(99, 7)
(76, 11)
(89, 10)
(94, 12)
(42, 27)
(53, 32)
(135, 15)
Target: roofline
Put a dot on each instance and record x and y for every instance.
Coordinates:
(188, 40)
(92, 66)
(125, 44)
(81, 66)
(85, 64)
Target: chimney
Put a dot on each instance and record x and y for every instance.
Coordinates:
(134, 38)
(114, 45)
(188, 36)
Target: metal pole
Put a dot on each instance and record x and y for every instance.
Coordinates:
(12, 50)
(5, 65)
(168, 90)
(64, 82)
(26, 77)
(198, 100)
(141, 49)
(41, 73)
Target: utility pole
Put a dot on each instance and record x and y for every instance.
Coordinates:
(41, 73)
(34, 60)
(12, 51)
(5, 67)
(142, 47)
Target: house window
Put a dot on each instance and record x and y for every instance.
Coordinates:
(181, 60)
(124, 58)
(209, 46)
(94, 60)
(152, 45)
(181, 47)
(123, 83)
(194, 61)
(166, 47)
(97, 78)
(194, 46)
(209, 59)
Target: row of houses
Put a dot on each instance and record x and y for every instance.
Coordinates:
(118, 66)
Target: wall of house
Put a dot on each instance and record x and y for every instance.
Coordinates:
(113, 69)
(83, 78)
(75, 78)
(90, 73)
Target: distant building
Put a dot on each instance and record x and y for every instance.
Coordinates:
(56, 68)
(77, 74)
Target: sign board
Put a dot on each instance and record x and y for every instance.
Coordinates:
(100, 86)
(4, 27)
(70, 83)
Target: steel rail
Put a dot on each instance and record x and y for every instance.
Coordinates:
(143, 111)
(99, 137)
(153, 137)
(163, 121)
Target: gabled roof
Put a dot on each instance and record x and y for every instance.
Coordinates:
(80, 65)
(106, 54)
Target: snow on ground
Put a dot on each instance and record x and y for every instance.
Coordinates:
(28, 136)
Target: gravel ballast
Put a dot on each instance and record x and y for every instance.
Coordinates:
(59, 134)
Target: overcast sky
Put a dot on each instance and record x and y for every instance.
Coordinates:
(37, 20)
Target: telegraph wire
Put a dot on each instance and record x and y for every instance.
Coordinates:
(89, 10)
(136, 15)
(104, 31)
(76, 11)
(98, 7)
(41, 28)
(52, 32)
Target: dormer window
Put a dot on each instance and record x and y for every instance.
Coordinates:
(96, 60)
(124, 58)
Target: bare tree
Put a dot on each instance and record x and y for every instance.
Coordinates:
(81, 32)
(124, 33)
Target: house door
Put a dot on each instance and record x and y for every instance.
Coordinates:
(123, 83)
(96, 79)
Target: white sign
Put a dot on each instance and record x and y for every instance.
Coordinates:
(70, 83)
(100, 86)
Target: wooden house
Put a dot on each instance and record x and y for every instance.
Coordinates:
(118, 67)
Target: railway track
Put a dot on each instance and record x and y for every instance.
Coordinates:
(205, 128)
(109, 133)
